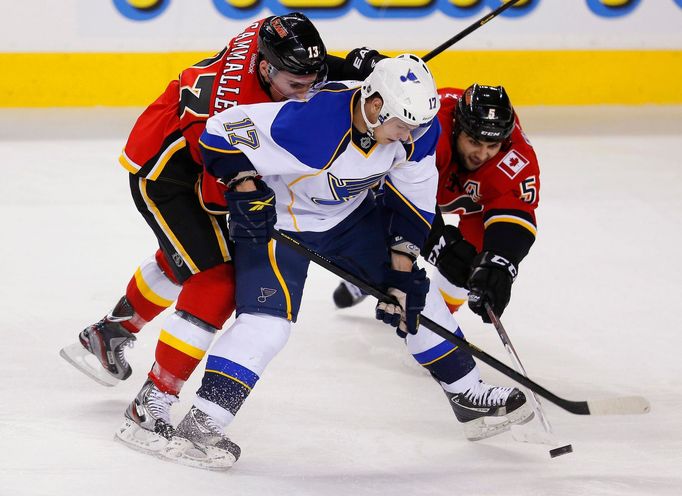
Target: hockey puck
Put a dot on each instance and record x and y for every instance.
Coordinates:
(562, 450)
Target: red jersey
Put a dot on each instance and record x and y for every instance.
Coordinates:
(497, 202)
(172, 125)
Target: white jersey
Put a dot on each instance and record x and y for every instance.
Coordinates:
(312, 157)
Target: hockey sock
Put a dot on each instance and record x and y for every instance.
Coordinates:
(446, 361)
(209, 295)
(150, 291)
(236, 362)
(182, 344)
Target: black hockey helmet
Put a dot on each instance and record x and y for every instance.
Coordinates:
(291, 43)
(485, 113)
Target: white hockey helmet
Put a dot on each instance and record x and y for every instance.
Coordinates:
(408, 91)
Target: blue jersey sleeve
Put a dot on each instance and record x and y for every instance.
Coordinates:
(221, 158)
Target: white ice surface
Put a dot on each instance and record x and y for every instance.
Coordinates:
(343, 410)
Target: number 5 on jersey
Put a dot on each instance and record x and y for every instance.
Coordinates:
(529, 190)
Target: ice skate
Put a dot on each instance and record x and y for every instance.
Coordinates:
(106, 341)
(347, 295)
(147, 426)
(487, 410)
(200, 442)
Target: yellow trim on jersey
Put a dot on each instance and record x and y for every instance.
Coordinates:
(439, 358)
(178, 144)
(229, 377)
(340, 90)
(409, 156)
(178, 344)
(291, 211)
(222, 242)
(307, 176)
(278, 275)
(148, 292)
(164, 227)
(128, 164)
(197, 189)
(219, 150)
(451, 299)
(412, 207)
(511, 220)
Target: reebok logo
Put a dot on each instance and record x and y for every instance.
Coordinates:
(260, 205)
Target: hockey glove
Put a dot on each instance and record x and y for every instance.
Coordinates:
(451, 254)
(490, 281)
(252, 214)
(360, 63)
(409, 289)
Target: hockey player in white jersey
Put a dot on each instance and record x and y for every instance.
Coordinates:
(307, 168)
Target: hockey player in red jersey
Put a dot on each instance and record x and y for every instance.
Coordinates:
(274, 59)
(489, 176)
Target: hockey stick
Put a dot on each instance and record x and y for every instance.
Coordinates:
(483, 20)
(548, 438)
(612, 406)
(518, 366)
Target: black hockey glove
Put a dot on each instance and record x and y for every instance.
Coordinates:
(451, 254)
(360, 63)
(252, 214)
(490, 281)
(410, 289)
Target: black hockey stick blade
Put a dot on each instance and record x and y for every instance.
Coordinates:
(614, 406)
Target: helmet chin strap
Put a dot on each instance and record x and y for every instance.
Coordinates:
(370, 126)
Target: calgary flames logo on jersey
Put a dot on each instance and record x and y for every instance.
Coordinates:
(466, 203)
(473, 189)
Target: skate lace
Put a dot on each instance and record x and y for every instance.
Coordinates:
(159, 404)
(485, 394)
(213, 426)
(120, 354)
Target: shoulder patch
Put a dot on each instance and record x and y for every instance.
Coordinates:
(512, 163)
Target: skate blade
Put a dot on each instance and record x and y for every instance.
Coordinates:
(139, 439)
(184, 452)
(526, 434)
(478, 429)
(79, 357)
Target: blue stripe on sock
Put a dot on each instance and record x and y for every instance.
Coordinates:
(231, 369)
(437, 351)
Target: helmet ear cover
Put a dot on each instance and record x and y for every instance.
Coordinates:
(291, 43)
(485, 113)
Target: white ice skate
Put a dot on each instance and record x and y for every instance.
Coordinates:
(147, 426)
(201, 443)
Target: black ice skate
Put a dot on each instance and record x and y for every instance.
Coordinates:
(147, 425)
(347, 295)
(200, 442)
(106, 341)
(487, 410)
